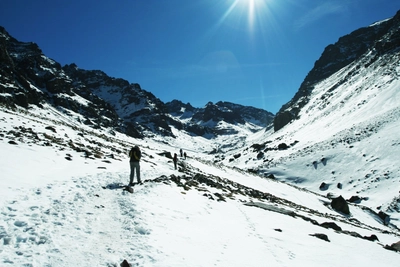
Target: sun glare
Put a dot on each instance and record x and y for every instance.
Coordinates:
(252, 17)
(251, 11)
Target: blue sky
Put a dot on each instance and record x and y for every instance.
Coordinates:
(249, 52)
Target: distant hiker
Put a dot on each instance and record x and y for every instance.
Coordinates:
(184, 155)
(134, 157)
(181, 151)
(175, 160)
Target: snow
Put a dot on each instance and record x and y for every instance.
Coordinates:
(59, 212)
(61, 204)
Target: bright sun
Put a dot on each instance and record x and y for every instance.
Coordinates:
(250, 10)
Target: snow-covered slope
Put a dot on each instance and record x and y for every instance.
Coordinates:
(244, 199)
(61, 205)
(346, 134)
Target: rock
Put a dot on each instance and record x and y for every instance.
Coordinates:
(323, 186)
(339, 204)
(371, 238)
(51, 128)
(394, 246)
(283, 146)
(270, 176)
(166, 154)
(385, 217)
(321, 236)
(331, 225)
(354, 199)
(125, 263)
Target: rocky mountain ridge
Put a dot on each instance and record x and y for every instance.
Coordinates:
(378, 39)
(92, 97)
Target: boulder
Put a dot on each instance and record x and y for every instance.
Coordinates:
(323, 186)
(339, 204)
(385, 217)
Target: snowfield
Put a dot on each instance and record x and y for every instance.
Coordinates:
(60, 207)
(246, 195)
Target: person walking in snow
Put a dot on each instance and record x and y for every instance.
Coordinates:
(134, 158)
(181, 151)
(175, 160)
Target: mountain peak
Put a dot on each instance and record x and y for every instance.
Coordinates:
(378, 39)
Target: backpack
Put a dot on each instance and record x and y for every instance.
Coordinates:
(135, 154)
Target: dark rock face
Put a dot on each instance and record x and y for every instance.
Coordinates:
(380, 39)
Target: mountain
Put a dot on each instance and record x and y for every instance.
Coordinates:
(28, 77)
(221, 118)
(340, 136)
(364, 50)
(320, 189)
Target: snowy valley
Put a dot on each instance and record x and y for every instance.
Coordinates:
(246, 195)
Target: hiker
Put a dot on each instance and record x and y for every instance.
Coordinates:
(175, 160)
(184, 155)
(134, 158)
(181, 151)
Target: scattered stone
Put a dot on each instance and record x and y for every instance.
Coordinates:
(166, 154)
(51, 128)
(331, 225)
(125, 263)
(323, 186)
(371, 238)
(354, 199)
(283, 146)
(321, 236)
(12, 142)
(270, 176)
(236, 156)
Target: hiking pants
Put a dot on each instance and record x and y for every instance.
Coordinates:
(135, 166)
